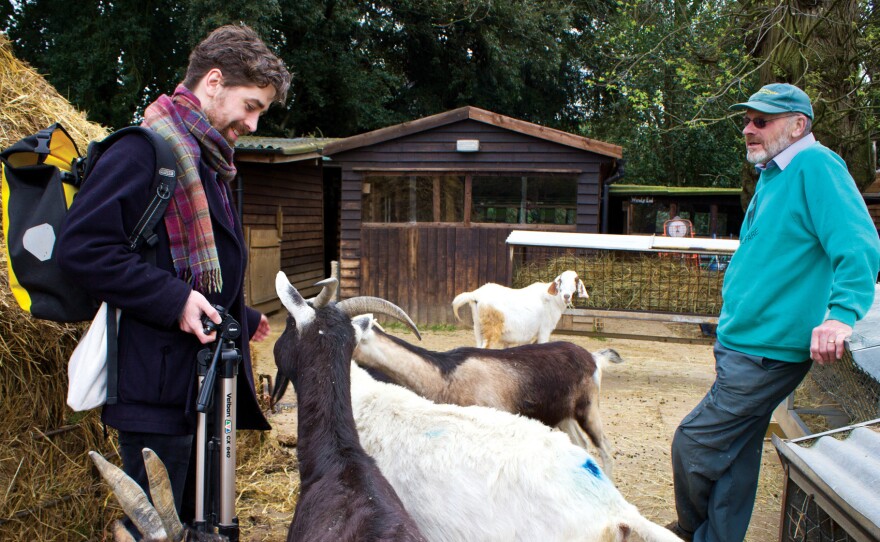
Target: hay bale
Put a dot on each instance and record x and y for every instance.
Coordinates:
(28, 103)
(50, 492)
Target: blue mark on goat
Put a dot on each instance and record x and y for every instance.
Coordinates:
(591, 467)
(434, 433)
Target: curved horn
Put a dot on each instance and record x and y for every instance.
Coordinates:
(327, 293)
(132, 499)
(365, 304)
(160, 491)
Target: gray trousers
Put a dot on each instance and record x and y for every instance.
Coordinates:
(716, 450)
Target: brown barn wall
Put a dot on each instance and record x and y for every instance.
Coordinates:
(874, 209)
(391, 261)
(423, 268)
(298, 189)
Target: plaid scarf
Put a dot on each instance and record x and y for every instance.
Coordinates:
(180, 120)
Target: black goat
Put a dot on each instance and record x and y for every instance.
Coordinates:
(343, 495)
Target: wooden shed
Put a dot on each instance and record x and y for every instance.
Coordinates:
(641, 209)
(426, 206)
(281, 197)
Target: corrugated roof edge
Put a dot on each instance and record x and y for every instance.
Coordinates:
(281, 145)
(656, 190)
(845, 472)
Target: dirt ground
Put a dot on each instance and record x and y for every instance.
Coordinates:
(643, 399)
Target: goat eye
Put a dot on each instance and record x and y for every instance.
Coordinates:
(320, 332)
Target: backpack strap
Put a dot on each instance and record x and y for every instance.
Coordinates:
(164, 180)
(112, 356)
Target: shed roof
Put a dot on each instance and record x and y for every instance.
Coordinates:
(480, 115)
(279, 149)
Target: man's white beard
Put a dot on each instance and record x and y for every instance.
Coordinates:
(770, 150)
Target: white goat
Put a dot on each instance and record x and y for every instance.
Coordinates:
(556, 383)
(508, 317)
(482, 475)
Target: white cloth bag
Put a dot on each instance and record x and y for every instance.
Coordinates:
(87, 368)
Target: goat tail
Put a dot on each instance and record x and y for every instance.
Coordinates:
(461, 299)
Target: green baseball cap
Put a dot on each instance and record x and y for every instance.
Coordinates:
(778, 98)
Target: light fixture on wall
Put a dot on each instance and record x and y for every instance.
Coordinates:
(467, 145)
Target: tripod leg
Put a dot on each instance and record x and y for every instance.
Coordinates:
(228, 523)
(201, 470)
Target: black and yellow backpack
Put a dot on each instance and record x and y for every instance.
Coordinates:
(41, 175)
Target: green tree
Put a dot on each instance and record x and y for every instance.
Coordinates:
(828, 48)
(660, 88)
(112, 58)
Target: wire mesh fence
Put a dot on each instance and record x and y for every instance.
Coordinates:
(804, 520)
(855, 391)
(665, 282)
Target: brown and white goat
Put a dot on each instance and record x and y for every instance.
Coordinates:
(343, 495)
(556, 383)
(508, 317)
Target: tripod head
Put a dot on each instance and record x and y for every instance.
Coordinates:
(229, 328)
(224, 349)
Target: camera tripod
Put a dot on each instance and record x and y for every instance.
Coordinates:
(215, 437)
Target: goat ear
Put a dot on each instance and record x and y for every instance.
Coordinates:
(582, 290)
(554, 287)
(362, 324)
(299, 310)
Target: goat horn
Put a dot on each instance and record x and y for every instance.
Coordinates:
(327, 293)
(132, 499)
(366, 304)
(160, 491)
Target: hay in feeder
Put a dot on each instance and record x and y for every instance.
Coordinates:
(631, 281)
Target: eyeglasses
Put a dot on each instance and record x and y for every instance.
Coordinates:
(761, 123)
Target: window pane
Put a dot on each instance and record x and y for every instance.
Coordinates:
(496, 199)
(450, 198)
(524, 200)
(549, 200)
(412, 199)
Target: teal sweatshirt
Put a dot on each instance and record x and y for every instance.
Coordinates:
(808, 252)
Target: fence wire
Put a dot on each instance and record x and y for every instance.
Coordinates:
(804, 520)
(847, 385)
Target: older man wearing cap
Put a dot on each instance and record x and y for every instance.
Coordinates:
(803, 274)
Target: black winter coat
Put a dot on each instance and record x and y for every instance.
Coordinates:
(157, 361)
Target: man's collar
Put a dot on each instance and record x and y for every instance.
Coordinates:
(785, 157)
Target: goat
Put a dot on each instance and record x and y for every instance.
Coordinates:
(555, 383)
(483, 475)
(156, 523)
(343, 495)
(508, 317)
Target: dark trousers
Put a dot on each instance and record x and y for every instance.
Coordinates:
(173, 450)
(716, 450)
